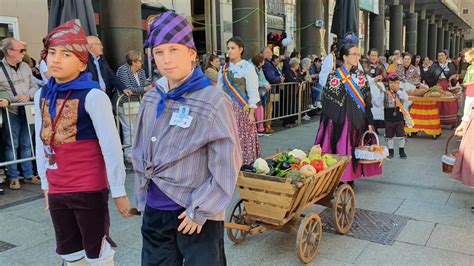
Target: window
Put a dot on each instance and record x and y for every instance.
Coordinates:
(465, 11)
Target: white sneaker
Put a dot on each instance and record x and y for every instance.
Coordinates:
(306, 117)
(319, 105)
(312, 107)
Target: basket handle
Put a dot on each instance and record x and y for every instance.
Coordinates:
(447, 144)
(368, 132)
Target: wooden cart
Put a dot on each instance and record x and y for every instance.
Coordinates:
(272, 203)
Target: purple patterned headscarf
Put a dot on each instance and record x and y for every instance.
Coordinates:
(170, 28)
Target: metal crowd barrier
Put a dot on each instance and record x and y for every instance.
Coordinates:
(130, 107)
(5, 122)
(127, 106)
(288, 100)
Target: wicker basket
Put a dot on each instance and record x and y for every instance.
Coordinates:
(367, 157)
(448, 159)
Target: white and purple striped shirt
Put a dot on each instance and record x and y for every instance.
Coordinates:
(196, 167)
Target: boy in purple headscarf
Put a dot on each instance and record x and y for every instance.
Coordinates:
(186, 154)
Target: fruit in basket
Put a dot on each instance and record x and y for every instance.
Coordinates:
(292, 159)
(294, 174)
(248, 168)
(308, 170)
(316, 149)
(284, 165)
(271, 162)
(305, 161)
(281, 173)
(261, 166)
(298, 154)
(331, 162)
(295, 166)
(315, 156)
(281, 158)
(326, 156)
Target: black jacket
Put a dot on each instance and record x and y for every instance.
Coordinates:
(112, 83)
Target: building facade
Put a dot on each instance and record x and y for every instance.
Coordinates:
(27, 24)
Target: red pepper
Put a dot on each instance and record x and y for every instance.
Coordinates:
(295, 166)
(320, 166)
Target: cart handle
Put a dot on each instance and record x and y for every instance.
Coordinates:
(240, 227)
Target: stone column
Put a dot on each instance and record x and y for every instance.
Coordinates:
(447, 41)
(433, 38)
(311, 39)
(456, 41)
(411, 29)
(453, 42)
(120, 33)
(440, 44)
(377, 29)
(422, 44)
(249, 29)
(396, 28)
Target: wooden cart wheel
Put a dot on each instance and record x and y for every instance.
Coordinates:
(344, 208)
(237, 217)
(309, 237)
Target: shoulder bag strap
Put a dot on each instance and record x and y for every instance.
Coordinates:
(8, 79)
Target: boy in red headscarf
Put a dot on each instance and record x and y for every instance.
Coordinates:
(78, 150)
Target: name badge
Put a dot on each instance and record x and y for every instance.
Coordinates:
(181, 118)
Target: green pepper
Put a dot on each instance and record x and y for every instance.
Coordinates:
(280, 173)
(292, 159)
(281, 158)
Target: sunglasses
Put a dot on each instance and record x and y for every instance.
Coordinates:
(19, 50)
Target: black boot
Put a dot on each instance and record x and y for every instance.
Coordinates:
(403, 155)
(390, 153)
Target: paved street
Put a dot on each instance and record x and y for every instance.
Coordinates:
(440, 229)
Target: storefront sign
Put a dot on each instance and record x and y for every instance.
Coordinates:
(369, 5)
(275, 22)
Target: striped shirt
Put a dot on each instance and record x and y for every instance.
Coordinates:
(126, 76)
(196, 167)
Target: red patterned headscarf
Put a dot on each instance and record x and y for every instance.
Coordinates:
(69, 35)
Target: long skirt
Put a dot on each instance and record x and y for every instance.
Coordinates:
(345, 147)
(247, 135)
(463, 169)
(425, 115)
(448, 111)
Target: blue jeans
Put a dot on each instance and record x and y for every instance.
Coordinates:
(21, 140)
(317, 91)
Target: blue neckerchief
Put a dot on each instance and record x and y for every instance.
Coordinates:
(196, 82)
(82, 82)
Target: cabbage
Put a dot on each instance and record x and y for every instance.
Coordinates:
(261, 166)
(298, 154)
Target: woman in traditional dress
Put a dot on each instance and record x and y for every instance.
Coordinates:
(441, 73)
(346, 114)
(240, 80)
(408, 72)
(463, 170)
